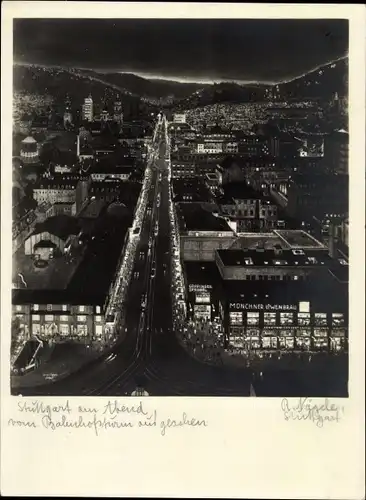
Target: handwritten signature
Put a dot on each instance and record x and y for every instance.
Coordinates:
(306, 409)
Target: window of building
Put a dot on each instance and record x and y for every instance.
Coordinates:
(35, 307)
(338, 332)
(320, 319)
(82, 330)
(269, 318)
(337, 319)
(81, 318)
(286, 318)
(253, 318)
(303, 332)
(36, 329)
(303, 319)
(290, 342)
(98, 330)
(18, 308)
(266, 342)
(303, 342)
(268, 332)
(81, 309)
(49, 317)
(36, 317)
(49, 307)
(282, 342)
(65, 319)
(98, 309)
(64, 308)
(236, 318)
(64, 329)
(320, 332)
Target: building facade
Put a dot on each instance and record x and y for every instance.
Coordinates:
(88, 109)
(297, 326)
(179, 118)
(61, 322)
(29, 151)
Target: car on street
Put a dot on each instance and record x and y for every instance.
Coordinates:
(143, 301)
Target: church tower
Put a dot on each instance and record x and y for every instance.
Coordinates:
(117, 111)
(67, 113)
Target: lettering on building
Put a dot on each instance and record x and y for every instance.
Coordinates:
(262, 307)
(199, 288)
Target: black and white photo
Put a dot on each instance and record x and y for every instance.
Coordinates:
(180, 207)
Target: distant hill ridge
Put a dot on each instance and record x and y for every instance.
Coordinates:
(321, 82)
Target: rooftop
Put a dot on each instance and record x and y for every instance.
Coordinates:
(110, 169)
(104, 142)
(56, 276)
(92, 209)
(56, 183)
(24, 296)
(241, 190)
(29, 140)
(86, 149)
(190, 189)
(126, 192)
(84, 281)
(193, 217)
(295, 238)
(320, 178)
(202, 273)
(271, 257)
(61, 226)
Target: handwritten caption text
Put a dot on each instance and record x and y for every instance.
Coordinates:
(112, 415)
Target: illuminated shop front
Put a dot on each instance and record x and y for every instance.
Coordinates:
(337, 339)
(269, 339)
(199, 302)
(202, 312)
(284, 327)
(61, 322)
(252, 339)
(303, 338)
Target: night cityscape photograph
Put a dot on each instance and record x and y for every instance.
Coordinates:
(180, 207)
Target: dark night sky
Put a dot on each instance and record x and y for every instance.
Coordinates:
(243, 50)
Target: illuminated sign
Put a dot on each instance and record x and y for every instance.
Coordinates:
(263, 307)
(62, 169)
(203, 298)
(199, 288)
(202, 308)
(304, 307)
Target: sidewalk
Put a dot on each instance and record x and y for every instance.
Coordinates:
(203, 341)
